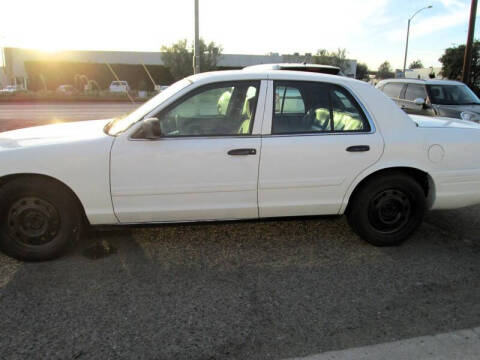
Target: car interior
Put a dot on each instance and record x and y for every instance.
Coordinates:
(226, 110)
(310, 108)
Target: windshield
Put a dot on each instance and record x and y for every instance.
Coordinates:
(452, 95)
(122, 123)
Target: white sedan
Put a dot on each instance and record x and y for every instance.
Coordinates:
(287, 143)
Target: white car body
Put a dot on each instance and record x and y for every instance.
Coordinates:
(119, 87)
(120, 180)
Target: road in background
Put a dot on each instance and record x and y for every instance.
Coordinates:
(18, 115)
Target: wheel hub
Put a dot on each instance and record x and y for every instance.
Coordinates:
(33, 221)
(389, 210)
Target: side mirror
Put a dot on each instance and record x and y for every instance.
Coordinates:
(151, 128)
(419, 101)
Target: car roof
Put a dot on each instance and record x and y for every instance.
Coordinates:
(257, 73)
(422, 82)
(315, 68)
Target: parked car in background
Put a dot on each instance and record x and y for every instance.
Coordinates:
(119, 87)
(433, 97)
(281, 143)
(67, 90)
(10, 89)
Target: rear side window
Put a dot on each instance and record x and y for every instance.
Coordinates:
(288, 100)
(325, 108)
(415, 91)
(393, 90)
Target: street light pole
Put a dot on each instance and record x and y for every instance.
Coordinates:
(408, 33)
(196, 51)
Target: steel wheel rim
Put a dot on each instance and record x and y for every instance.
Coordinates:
(389, 210)
(33, 221)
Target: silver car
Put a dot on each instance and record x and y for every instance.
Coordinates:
(445, 98)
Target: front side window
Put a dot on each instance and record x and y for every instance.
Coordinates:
(326, 108)
(214, 110)
(452, 95)
(415, 91)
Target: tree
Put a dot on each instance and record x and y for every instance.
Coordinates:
(333, 58)
(179, 57)
(416, 64)
(384, 71)
(362, 71)
(452, 63)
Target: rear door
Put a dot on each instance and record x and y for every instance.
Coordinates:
(309, 159)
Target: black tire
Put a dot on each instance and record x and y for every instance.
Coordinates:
(38, 219)
(387, 209)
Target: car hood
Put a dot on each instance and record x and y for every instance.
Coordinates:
(442, 122)
(471, 108)
(53, 134)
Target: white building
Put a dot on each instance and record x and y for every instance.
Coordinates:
(423, 73)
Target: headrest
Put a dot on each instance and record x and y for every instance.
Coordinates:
(250, 109)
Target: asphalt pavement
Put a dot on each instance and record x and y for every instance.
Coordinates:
(245, 290)
(241, 290)
(18, 115)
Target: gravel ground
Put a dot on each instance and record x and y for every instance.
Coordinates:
(245, 290)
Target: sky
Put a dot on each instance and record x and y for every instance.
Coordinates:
(372, 31)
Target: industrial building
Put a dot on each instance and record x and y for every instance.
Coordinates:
(15, 72)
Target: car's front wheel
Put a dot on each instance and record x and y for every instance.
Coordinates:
(38, 218)
(386, 210)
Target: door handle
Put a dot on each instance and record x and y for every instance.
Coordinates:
(242, 152)
(358, 148)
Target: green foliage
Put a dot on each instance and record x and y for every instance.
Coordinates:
(362, 71)
(179, 57)
(385, 71)
(416, 64)
(57, 73)
(452, 63)
(333, 58)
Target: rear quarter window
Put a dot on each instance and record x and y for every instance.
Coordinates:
(393, 90)
(415, 91)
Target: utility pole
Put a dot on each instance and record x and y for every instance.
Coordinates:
(406, 48)
(196, 51)
(467, 58)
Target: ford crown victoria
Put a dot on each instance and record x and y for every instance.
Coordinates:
(246, 144)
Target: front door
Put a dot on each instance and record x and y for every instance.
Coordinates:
(321, 139)
(204, 166)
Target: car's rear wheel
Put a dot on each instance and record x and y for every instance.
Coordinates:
(386, 210)
(38, 218)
